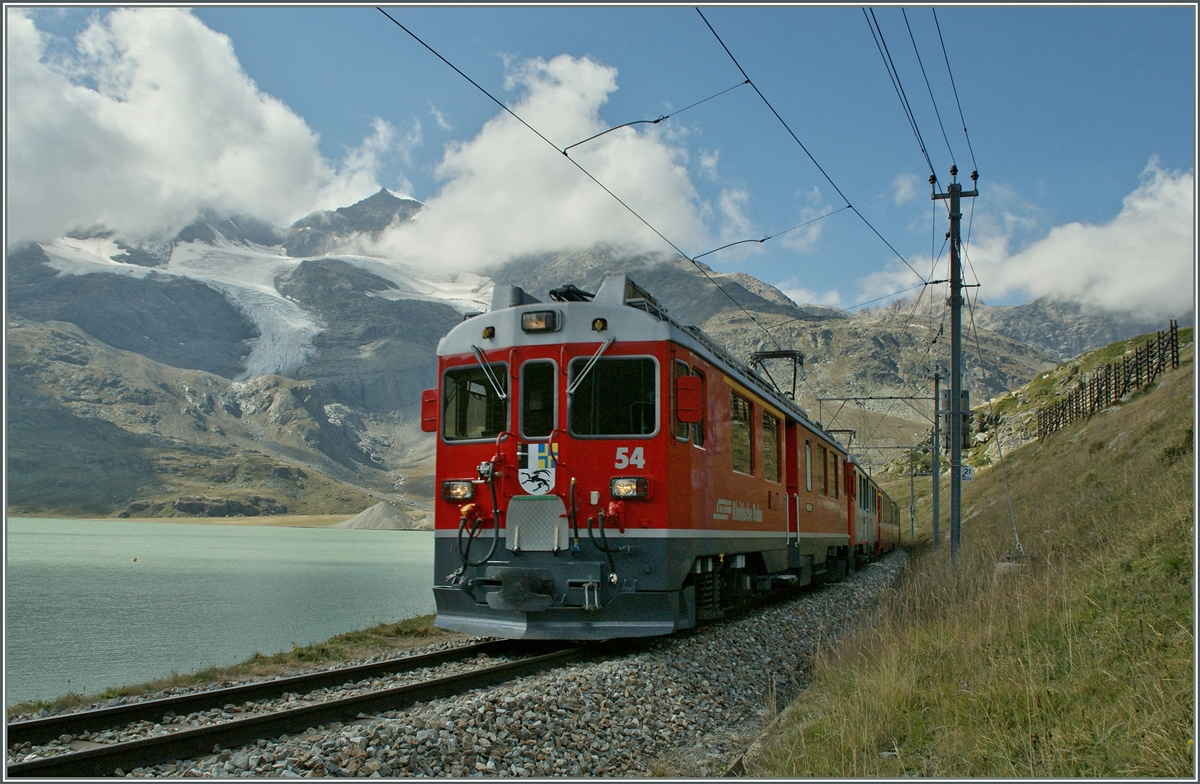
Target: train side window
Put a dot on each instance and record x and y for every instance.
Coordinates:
(770, 439)
(808, 464)
(617, 397)
(682, 429)
(837, 477)
(537, 399)
(739, 433)
(471, 409)
(698, 427)
(822, 470)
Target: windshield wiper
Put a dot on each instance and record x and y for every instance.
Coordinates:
(587, 368)
(487, 371)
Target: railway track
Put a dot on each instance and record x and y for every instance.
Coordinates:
(185, 743)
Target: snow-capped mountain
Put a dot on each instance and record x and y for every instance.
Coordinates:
(235, 338)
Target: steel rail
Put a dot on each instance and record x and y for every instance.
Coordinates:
(185, 744)
(41, 730)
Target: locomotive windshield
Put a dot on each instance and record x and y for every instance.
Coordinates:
(617, 397)
(473, 409)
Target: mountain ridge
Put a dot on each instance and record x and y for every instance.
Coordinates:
(343, 344)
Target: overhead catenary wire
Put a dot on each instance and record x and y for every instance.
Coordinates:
(974, 166)
(859, 305)
(654, 230)
(796, 138)
(776, 234)
(928, 87)
(654, 122)
(587, 174)
(894, 75)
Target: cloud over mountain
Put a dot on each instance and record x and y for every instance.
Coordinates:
(508, 193)
(148, 117)
(1141, 262)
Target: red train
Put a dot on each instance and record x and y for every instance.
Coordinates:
(605, 472)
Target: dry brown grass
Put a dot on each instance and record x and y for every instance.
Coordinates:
(1076, 663)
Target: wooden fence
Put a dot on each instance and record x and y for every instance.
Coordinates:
(1105, 386)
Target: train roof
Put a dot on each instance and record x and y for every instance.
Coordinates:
(616, 294)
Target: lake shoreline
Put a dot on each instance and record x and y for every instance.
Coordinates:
(94, 604)
(268, 521)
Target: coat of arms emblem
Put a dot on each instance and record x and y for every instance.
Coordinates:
(535, 467)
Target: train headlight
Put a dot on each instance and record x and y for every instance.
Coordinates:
(628, 487)
(539, 321)
(458, 490)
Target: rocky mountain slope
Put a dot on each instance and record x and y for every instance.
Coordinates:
(94, 430)
(241, 368)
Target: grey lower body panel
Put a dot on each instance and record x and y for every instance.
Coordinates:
(639, 614)
(538, 584)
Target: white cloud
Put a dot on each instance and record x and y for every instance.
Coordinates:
(146, 120)
(803, 235)
(440, 118)
(507, 192)
(804, 296)
(735, 226)
(904, 188)
(1141, 262)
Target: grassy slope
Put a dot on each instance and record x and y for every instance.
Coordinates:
(1078, 664)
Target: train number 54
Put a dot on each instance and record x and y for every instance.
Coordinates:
(626, 458)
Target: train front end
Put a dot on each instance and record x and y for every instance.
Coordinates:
(550, 519)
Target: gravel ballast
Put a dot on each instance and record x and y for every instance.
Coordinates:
(687, 705)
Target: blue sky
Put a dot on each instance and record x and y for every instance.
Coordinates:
(1081, 121)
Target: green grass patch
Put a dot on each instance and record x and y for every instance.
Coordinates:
(385, 639)
(1078, 662)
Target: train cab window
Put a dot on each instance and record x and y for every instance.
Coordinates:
(698, 427)
(537, 399)
(770, 441)
(837, 477)
(683, 430)
(822, 470)
(617, 397)
(472, 407)
(739, 432)
(808, 465)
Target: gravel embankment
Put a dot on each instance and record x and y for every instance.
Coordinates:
(688, 705)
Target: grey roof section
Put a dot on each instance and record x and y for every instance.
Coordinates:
(632, 315)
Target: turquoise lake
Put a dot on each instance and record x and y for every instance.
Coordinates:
(82, 615)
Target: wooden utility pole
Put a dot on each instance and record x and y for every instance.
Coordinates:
(955, 193)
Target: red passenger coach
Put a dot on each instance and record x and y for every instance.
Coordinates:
(604, 472)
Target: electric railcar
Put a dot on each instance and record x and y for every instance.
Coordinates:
(605, 472)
